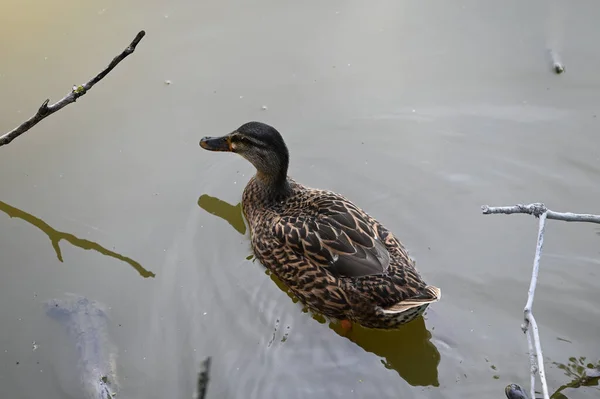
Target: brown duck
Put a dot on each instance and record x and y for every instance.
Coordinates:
(333, 256)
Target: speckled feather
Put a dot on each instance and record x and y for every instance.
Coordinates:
(334, 257)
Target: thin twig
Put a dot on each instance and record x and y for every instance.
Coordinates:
(530, 327)
(46, 110)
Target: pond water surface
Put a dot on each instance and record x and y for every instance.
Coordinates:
(420, 112)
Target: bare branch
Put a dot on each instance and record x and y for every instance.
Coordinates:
(540, 356)
(46, 110)
(536, 263)
(532, 361)
(530, 327)
(536, 209)
(537, 361)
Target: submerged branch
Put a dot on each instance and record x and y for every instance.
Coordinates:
(530, 327)
(46, 110)
(203, 378)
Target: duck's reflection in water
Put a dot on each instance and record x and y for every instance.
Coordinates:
(408, 350)
(230, 213)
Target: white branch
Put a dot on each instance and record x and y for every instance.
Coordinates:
(532, 362)
(539, 355)
(539, 210)
(528, 311)
(536, 263)
(46, 110)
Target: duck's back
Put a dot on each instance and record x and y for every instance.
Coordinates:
(325, 227)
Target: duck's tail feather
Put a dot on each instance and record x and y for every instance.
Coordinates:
(431, 294)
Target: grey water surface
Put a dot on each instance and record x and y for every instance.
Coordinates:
(419, 111)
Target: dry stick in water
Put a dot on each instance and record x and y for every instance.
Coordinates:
(46, 110)
(537, 363)
(539, 210)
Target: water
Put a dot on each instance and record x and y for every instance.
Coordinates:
(418, 112)
(87, 325)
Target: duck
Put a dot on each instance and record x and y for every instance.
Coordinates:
(334, 257)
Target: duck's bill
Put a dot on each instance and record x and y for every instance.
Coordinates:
(222, 143)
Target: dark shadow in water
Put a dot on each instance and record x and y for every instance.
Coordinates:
(231, 214)
(582, 373)
(55, 236)
(408, 350)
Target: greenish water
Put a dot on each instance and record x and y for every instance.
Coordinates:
(419, 112)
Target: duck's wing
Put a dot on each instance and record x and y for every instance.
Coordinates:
(337, 235)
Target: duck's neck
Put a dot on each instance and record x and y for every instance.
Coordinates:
(275, 187)
(272, 175)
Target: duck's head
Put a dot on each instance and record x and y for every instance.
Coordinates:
(260, 144)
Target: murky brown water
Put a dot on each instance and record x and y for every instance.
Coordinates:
(418, 112)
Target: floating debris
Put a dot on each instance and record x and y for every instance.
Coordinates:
(557, 66)
(168, 82)
(264, 108)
